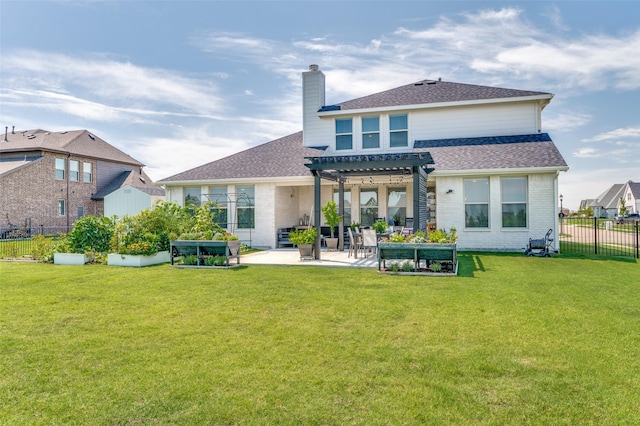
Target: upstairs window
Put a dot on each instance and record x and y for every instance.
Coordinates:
(74, 170)
(371, 132)
(344, 134)
(399, 131)
(514, 202)
(476, 203)
(87, 172)
(60, 168)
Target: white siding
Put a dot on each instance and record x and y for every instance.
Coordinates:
(542, 189)
(474, 121)
(126, 201)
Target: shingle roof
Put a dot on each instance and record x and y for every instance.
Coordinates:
(498, 152)
(634, 187)
(284, 157)
(609, 198)
(430, 91)
(78, 142)
(137, 179)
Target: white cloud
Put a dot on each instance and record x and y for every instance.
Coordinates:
(586, 153)
(566, 121)
(622, 133)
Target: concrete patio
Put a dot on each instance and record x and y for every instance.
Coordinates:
(288, 256)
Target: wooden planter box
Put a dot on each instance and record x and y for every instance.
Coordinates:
(116, 259)
(203, 249)
(422, 255)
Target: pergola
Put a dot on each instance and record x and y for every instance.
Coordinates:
(340, 168)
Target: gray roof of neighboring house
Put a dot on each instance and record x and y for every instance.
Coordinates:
(76, 142)
(432, 91)
(609, 198)
(136, 179)
(634, 187)
(286, 157)
(282, 157)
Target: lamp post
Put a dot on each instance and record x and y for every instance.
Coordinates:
(561, 213)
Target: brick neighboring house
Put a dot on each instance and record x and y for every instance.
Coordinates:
(427, 154)
(49, 179)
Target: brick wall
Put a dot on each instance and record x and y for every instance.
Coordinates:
(29, 196)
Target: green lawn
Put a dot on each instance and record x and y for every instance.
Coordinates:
(512, 340)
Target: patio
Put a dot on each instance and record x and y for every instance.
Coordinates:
(288, 256)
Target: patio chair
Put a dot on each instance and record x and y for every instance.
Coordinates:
(355, 242)
(369, 241)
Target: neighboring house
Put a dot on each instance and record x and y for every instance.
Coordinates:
(631, 196)
(428, 154)
(50, 179)
(607, 205)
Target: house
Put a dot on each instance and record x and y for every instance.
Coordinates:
(607, 205)
(431, 154)
(49, 179)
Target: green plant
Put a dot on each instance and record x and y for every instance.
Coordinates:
(394, 266)
(89, 234)
(331, 217)
(407, 266)
(354, 225)
(190, 259)
(380, 226)
(303, 236)
(436, 266)
(41, 245)
(397, 238)
(441, 236)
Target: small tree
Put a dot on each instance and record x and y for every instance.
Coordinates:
(331, 217)
(623, 211)
(89, 234)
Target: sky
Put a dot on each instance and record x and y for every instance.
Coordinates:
(178, 84)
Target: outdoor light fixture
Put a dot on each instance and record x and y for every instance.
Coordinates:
(450, 191)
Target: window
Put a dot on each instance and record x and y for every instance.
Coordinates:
(74, 170)
(61, 210)
(344, 133)
(218, 195)
(399, 130)
(60, 168)
(514, 202)
(192, 196)
(347, 204)
(476, 203)
(368, 206)
(371, 132)
(87, 172)
(397, 206)
(246, 207)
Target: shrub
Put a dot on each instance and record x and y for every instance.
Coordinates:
(89, 234)
(303, 236)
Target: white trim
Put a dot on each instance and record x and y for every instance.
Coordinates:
(526, 170)
(387, 109)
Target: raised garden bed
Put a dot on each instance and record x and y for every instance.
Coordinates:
(418, 258)
(204, 253)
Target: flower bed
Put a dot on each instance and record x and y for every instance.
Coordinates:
(115, 259)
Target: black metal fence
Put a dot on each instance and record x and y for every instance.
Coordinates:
(19, 242)
(599, 236)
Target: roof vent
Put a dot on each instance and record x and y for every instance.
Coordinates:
(420, 83)
(313, 67)
(431, 82)
(6, 130)
(93, 138)
(31, 137)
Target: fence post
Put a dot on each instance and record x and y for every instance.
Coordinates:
(595, 235)
(637, 240)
